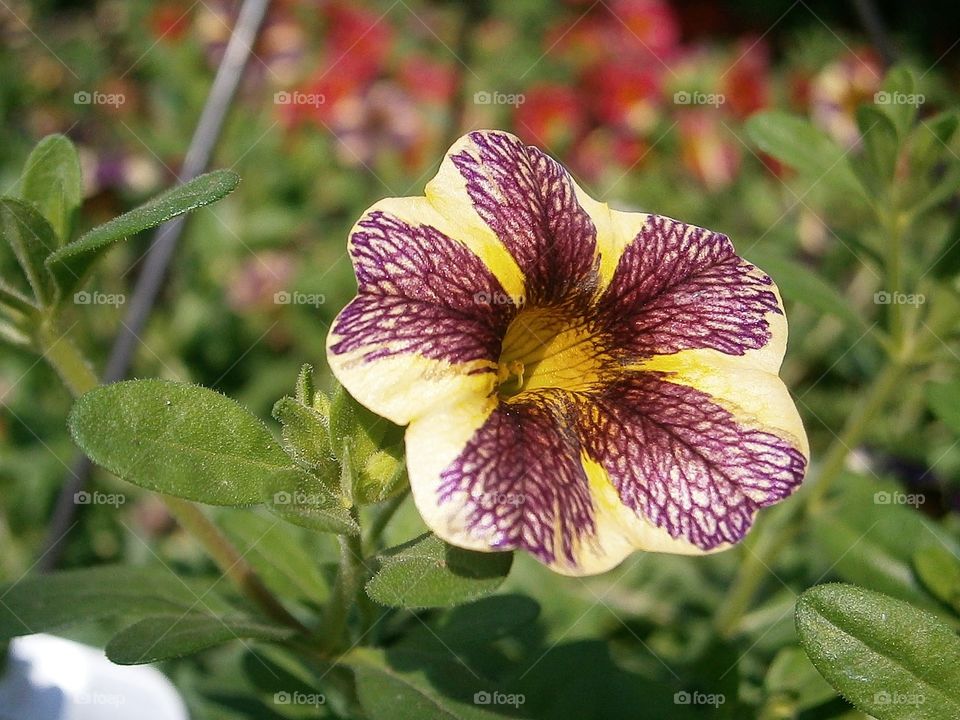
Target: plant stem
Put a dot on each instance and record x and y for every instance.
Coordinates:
(382, 519)
(231, 563)
(64, 357)
(350, 576)
(77, 374)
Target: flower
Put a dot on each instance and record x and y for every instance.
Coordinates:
(576, 381)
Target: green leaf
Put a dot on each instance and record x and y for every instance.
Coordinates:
(931, 139)
(898, 99)
(869, 534)
(796, 142)
(486, 620)
(800, 284)
(51, 181)
(300, 498)
(39, 603)
(70, 263)
(32, 240)
(306, 438)
(939, 571)
(944, 400)
(947, 262)
(404, 685)
(278, 553)
(888, 658)
(792, 675)
(427, 572)
(168, 636)
(179, 439)
(305, 389)
(876, 165)
(371, 449)
(11, 297)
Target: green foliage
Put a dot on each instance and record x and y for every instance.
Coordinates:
(32, 240)
(50, 602)
(168, 636)
(51, 181)
(427, 572)
(70, 263)
(180, 439)
(944, 400)
(939, 571)
(888, 658)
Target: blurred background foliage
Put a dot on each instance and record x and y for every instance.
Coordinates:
(646, 102)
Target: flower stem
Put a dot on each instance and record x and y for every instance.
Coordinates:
(382, 519)
(350, 576)
(77, 374)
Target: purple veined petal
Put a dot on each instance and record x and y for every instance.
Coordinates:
(530, 202)
(685, 463)
(678, 287)
(521, 483)
(420, 292)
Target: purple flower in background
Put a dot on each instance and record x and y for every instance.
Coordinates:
(577, 382)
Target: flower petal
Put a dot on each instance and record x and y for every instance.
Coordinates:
(530, 203)
(679, 287)
(425, 326)
(696, 464)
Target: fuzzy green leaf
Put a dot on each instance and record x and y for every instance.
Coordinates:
(887, 657)
(179, 439)
(305, 437)
(427, 572)
(71, 262)
(52, 182)
(303, 499)
(402, 685)
(39, 603)
(898, 99)
(168, 636)
(32, 240)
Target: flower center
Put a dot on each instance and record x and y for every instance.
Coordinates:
(544, 348)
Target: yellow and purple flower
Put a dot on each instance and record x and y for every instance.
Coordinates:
(577, 382)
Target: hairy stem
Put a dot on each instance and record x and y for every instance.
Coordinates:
(350, 576)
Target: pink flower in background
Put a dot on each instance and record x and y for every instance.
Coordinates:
(746, 83)
(383, 120)
(253, 284)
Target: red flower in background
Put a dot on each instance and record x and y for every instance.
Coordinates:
(746, 84)
(551, 115)
(428, 79)
(624, 95)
